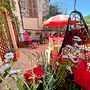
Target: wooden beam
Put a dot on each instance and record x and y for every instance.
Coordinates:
(10, 26)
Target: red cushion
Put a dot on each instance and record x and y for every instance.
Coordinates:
(27, 37)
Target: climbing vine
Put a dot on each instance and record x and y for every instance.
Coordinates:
(7, 7)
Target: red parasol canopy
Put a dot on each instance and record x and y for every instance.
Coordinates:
(59, 20)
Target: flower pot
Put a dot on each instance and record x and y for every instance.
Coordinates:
(16, 55)
(21, 44)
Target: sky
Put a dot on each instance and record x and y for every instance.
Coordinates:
(82, 5)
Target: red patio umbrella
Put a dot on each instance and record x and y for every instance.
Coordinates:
(59, 20)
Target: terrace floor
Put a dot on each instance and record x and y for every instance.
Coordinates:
(24, 63)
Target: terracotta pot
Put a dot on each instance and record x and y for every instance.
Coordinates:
(21, 44)
(16, 55)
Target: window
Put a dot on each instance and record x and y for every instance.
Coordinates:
(29, 8)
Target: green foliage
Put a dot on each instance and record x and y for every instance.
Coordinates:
(10, 7)
(87, 19)
(29, 33)
(62, 74)
(5, 84)
(8, 4)
(2, 21)
(55, 9)
(48, 28)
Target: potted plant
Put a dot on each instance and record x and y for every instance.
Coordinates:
(16, 55)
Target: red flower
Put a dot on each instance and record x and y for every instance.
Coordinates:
(37, 71)
(57, 35)
(52, 37)
(60, 58)
(54, 55)
(82, 78)
(27, 75)
(81, 75)
(47, 35)
(83, 51)
(88, 53)
(82, 65)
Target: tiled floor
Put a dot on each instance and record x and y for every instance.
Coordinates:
(24, 62)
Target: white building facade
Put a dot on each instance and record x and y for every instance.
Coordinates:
(30, 14)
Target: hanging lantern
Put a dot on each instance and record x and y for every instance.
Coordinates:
(80, 30)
